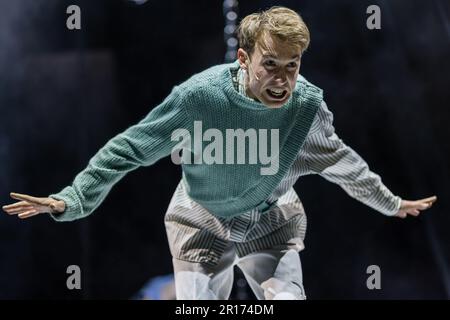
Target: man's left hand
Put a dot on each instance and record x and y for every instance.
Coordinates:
(414, 207)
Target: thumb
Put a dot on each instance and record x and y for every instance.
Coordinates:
(425, 205)
(57, 206)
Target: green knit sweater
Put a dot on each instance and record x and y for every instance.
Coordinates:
(225, 189)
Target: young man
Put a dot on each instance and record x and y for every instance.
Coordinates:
(235, 213)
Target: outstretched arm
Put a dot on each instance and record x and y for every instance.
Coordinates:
(327, 155)
(140, 145)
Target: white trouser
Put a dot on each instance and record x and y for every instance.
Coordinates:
(273, 274)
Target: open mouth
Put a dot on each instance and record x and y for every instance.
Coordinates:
(277, 94)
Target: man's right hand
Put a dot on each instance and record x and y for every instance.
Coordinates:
(30, 206)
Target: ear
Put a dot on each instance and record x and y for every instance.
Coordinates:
(242, 57)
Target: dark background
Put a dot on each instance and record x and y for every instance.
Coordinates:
(64, 93)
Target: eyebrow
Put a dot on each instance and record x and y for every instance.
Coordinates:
(272, 56)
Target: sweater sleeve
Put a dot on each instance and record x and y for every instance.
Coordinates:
(327, 155)
(140, 145)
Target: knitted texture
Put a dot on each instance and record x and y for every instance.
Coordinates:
(224, 189)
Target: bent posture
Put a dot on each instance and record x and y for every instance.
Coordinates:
(223, 215)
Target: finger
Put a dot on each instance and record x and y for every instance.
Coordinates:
(18, 210)
(401, 215)
(25, 197)
(414, 212)
(424, 206)
(28, 214)
(429, 199)
(15, 205)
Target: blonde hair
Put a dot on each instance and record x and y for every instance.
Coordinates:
(283, 23)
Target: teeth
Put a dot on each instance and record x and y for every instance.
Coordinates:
(277, 92)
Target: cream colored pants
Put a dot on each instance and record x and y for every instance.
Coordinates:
(273, 274)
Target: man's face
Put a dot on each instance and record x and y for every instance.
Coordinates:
(272, 72)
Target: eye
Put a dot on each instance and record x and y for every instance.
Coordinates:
(270, 64)
(292, 65)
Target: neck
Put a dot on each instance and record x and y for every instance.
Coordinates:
(247, 90)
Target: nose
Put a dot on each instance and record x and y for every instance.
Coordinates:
(281, 75)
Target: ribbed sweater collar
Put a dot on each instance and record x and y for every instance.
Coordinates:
(244, 101)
